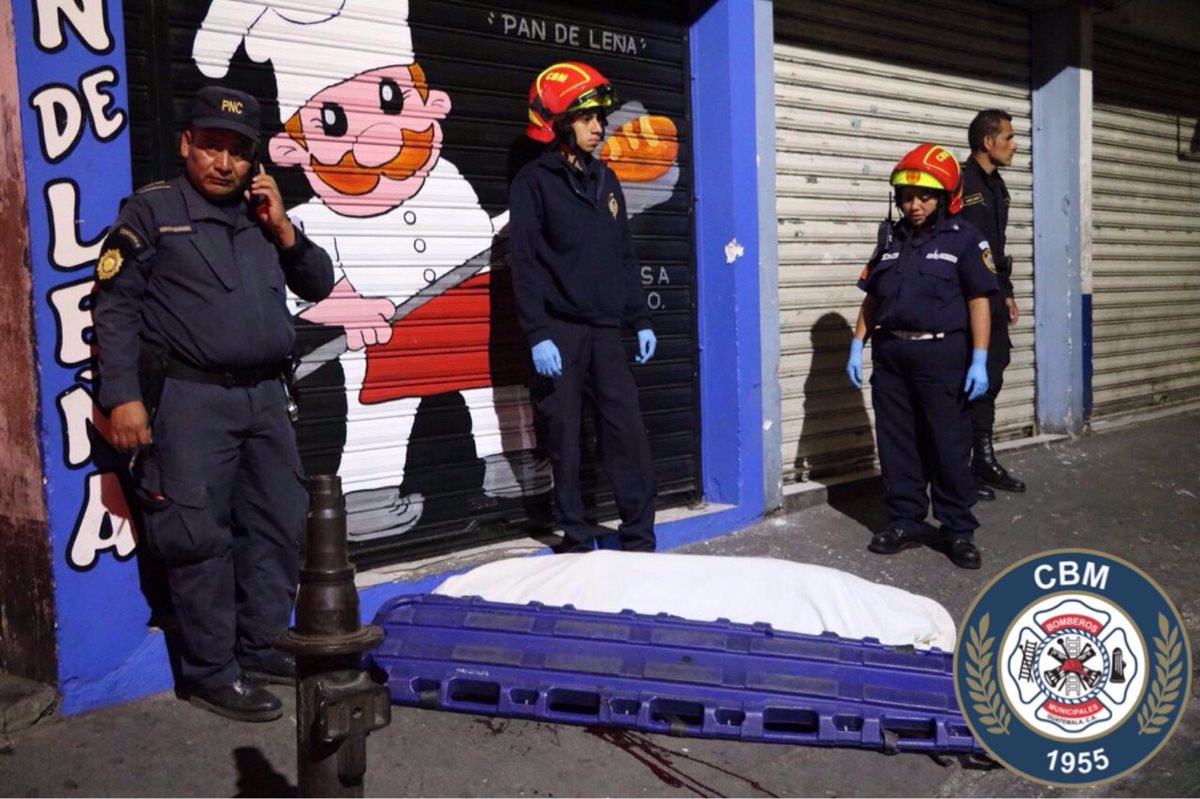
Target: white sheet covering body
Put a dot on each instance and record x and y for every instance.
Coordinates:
(796, 597)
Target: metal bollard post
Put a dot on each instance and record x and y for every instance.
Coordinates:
(337, 704)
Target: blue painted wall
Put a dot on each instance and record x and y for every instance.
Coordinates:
(1062, 106)
(73, 65)
(727, 251)
(107, 653)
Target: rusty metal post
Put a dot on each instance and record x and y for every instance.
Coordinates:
(337, 704)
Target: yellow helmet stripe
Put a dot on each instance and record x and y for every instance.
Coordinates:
(915, 177)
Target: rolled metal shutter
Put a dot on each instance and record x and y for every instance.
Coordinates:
(857, 84)
(1146, 226)
(431, 413)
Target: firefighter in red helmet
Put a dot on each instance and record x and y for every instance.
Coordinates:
(926, 312)
(576, 280)
(562, 90)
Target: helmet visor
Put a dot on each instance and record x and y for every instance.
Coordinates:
(915, 177)
(601, 96)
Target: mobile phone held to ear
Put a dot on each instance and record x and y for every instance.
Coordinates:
(255, 200)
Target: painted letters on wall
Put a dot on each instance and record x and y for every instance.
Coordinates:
(71, 64)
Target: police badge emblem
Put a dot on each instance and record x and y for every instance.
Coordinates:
(988, 260)
(109, 264)
(613, 208)
(1074, 668)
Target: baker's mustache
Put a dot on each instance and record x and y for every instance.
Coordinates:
(350, 177)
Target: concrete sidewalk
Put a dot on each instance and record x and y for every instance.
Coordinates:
(1133, 492)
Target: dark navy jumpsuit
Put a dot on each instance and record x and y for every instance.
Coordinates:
(985, 205)
(221, 486)
(575, 280)
(921, 347)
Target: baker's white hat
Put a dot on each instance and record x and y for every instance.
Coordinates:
(312, 44)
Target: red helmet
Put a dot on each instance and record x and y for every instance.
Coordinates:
(562, 89)
(934, 166)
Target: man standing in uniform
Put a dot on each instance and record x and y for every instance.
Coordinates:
(575, 279)
(194, 339)
(985, 205)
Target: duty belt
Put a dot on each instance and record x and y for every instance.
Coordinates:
(230, 378)
(915, 335)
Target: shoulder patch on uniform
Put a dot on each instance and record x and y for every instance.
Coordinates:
(157, 185)
(134, 240)
(612, 205)
(988, 260)
(972, 199)
(109, 264)
(174, 228)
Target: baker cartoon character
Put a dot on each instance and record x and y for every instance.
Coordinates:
(402, 225)
(411, 243)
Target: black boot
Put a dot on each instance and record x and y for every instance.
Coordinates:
(983, 492)
(962, 552)
(989, 470)
(892, 540)
(240, 700)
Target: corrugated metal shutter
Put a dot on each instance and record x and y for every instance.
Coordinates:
(1146, 225)
(432, 432)
(858, 83)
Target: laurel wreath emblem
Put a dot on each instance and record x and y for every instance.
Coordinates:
(989, 703)
(1167, 677)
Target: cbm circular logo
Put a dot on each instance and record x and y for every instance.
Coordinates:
(1072, 668)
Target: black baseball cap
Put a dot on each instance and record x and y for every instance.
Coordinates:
(228, 109)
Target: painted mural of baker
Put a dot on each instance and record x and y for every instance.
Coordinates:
(414, 249)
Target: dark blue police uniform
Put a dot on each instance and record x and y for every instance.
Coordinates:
(920, 350)
(985, 205)
(575, 280)
(201, 287)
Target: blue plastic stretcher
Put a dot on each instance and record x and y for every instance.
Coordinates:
(668, 675)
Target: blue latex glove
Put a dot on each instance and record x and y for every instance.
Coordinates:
(546, 359)
(854, 365)
(977, 379)
(647, 342)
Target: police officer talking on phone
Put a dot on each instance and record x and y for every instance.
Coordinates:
(195, 340)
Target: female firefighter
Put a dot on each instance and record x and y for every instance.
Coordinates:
(926, 310)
